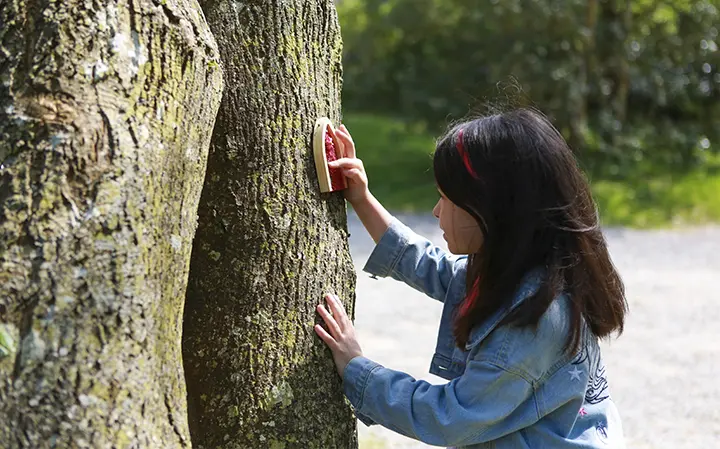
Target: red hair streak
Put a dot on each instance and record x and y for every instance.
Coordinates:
(472, 295)
(464, 155)
(470, 299)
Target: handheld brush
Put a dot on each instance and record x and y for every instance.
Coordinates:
(327, 149)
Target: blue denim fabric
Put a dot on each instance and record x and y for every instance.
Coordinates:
(509, 388)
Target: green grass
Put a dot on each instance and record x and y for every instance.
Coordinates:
(398, 161)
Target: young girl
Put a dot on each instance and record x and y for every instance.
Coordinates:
(527, 294)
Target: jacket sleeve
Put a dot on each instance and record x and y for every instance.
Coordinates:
(485, 403)
(410, 258)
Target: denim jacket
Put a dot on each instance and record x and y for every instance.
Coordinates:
(510, 388)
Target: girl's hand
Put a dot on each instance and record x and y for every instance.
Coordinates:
(352, 168)
(341, 339)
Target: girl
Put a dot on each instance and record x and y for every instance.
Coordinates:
(527, 294)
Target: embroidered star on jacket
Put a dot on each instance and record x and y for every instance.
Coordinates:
(575, 374)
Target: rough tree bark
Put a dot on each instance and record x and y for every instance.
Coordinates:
(268, 243)
(106, 113)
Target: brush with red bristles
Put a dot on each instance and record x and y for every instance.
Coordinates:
(327, 148)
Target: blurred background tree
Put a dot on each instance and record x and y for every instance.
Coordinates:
(633, 85)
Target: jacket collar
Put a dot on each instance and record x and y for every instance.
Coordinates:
(529, 285)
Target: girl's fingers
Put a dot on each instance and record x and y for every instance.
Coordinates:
(353, 174)
(339, 144)
(336, 313)
(338, 310)
(339, 303)
(344, 135)
(347, 163)
(324, 336)
(330, 321)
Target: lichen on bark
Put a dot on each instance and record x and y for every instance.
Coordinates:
(106, 112)
(269, 244)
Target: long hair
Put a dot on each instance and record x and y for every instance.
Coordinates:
(516, 175)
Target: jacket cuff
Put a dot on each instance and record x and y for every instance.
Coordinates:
(388, 250)
(355, 379)
(364, 419)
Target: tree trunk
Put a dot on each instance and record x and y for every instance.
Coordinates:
(586, 76)
(269, 244)
(618, 14)
(622, 86)
(106, 113)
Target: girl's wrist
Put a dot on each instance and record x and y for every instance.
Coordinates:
(362, 201)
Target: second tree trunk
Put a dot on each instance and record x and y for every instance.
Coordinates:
(269, 244)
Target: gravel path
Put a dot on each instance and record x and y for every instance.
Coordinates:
(664, 371)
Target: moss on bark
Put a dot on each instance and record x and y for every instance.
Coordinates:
(269, 244)
(106, 113)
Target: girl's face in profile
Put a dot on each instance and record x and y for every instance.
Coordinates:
(460, 230)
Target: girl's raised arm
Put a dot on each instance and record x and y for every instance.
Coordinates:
(400, 253)
(373, 215)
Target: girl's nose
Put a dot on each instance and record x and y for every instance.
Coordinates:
(436, 210)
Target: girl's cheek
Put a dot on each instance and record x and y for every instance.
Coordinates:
(468, 232)
(477, 241)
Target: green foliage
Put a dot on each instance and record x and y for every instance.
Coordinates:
(397, 157)
(398, 160)
(625, 81)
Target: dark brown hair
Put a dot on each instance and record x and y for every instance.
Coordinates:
(534, 207)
